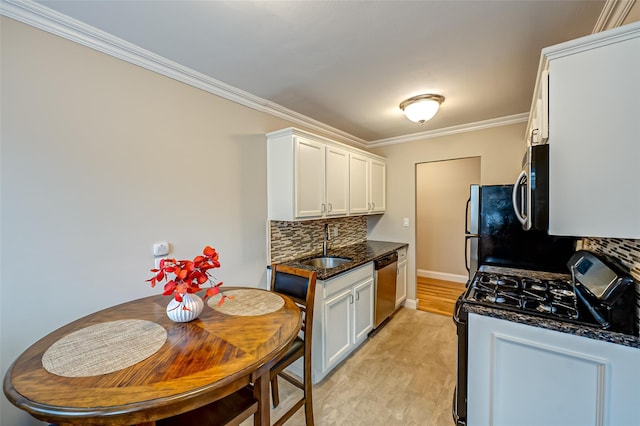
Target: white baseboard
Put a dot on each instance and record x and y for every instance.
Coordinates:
(442, 276)
(410, 303)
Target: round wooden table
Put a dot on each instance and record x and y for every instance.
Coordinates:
(199, 362)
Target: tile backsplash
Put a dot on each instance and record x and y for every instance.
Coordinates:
(289, 240)
(626, 252)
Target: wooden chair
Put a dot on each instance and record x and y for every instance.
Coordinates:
(299, 285)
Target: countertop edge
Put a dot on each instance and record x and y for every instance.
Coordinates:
(360, 253)
(549, 324)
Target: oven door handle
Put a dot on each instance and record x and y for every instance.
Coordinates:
(514, 197)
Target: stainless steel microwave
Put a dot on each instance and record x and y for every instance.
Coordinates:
(531, 189)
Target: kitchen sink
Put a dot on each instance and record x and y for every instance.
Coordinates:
(326, 262)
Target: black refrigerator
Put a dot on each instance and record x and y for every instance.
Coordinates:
(494, 236)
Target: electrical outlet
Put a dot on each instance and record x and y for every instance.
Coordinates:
(157, 260)
(335, 231)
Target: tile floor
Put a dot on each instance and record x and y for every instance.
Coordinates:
(403, 375)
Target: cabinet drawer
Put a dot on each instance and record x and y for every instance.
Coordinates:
(346, 280)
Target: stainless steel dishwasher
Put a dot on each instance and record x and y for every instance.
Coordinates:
(386, 270)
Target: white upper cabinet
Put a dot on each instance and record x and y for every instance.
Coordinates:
(337, 181)
(377, 189)
(594, 135)
(367, 184)
(358, 184)
(538, 125)
(313, 177)
(309, 170)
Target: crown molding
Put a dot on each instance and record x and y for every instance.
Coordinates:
(51, 21)
(613, 14)
(453, 130)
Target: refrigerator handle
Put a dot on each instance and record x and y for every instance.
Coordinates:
(514, 196)
(466, 217)
(466, 253)
(467, 237)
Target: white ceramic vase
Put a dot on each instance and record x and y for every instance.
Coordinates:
(187, 310)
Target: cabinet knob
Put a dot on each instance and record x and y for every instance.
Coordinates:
(330, 207)
(322, 208)
(351, 299)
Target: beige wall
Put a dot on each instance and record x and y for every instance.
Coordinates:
(442, 189)
(100, 159)
(500, 150)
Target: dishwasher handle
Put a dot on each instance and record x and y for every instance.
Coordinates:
(386, 260)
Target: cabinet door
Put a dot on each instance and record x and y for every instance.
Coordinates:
(337, 328)
(401, 283)
(363, 310)
(594, 149)
(337, 181)
(524, 375)
(310, 166)
(377, 191)
(358, 184)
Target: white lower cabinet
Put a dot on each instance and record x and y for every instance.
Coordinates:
(337, 329)
(401, 279)
(343, 317)
(524, 375)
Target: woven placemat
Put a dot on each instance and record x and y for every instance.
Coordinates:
(104, 348)
(247, 302)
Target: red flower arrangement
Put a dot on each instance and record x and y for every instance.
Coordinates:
(189, 275)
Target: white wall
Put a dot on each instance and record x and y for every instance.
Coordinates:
(100, 159)
(500, 149)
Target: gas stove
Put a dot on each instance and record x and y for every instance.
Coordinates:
(548, 295)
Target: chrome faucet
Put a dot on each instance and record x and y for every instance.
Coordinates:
(325, 239)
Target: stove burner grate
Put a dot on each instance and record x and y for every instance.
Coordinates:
(548, 298)
(562, 292)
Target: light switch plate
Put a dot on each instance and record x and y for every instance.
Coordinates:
(405, 221)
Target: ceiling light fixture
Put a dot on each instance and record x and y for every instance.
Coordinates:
(421, 108)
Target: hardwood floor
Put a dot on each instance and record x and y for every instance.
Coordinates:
(437, 296)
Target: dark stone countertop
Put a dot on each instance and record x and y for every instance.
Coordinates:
(359, 253)
(549, 324)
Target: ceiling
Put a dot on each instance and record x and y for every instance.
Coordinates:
(349, 64)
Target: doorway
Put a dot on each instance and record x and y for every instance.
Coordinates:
(442, 190)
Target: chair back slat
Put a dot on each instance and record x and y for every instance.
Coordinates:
(293, 286)
(299, 285)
